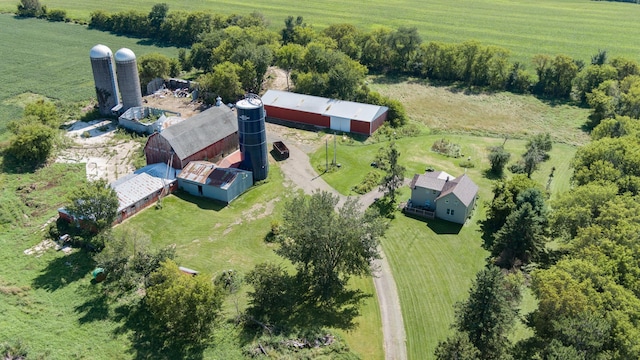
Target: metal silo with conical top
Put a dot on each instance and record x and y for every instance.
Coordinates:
(253, 136)
(128, 79)
(104, 76)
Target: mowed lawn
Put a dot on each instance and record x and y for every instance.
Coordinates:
(211, 238)
(578, 28)
(52, 60)
(434, 261)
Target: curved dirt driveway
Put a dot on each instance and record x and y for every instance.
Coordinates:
(300, 174)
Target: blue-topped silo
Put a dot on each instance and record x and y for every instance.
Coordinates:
(253, 136)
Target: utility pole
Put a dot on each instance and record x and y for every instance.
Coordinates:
(326, 147)
(334, 150)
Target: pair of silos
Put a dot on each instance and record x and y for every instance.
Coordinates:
(253, 136)
(115, 79)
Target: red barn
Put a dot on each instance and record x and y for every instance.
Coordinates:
(210, 135)
(346, 116)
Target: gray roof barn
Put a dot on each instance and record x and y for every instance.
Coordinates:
(199, 131)
(209, 135)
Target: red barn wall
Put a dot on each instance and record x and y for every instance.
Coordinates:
(361, 127)
(157, 150)
(375, 124)
(214, 152)
(298, 116)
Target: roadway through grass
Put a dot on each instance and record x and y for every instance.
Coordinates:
(434, 261)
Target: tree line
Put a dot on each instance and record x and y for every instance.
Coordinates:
(586, 283)
(234, 51)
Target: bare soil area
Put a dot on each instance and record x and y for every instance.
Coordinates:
(94, 144)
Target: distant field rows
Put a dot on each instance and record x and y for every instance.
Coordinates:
(574, 27)
(52, 59)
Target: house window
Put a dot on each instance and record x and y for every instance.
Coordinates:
(200, 189)
(450, 211)
(433, 191)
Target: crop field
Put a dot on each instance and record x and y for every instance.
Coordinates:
(577, 28)
(434, 261)
(451, 110)
(52, 60)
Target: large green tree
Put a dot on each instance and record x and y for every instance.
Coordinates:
(183, 307)
(94, 202)
(32, 142)
(394, 172)
(326, 245)
(498, 158)
(128, 260)
(522, 238)
(488, 314)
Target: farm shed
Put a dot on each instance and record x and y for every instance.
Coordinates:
(142, 188)
(448, 198)
(202, 178)
(136, 191)
(209, 135)
(340, 115)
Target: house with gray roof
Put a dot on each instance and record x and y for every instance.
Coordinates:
(209, 135)
(438, 194)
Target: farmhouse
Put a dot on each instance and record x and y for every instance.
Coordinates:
(203, 178)
(209, 135)
(438, 194)
(346, 116)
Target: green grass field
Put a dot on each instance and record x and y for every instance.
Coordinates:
(577, 28)
(434, 262)
(52, 60)
(211, 238)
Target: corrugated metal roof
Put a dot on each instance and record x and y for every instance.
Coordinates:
(136, 188)
(197, 171)
(200, 131)
(207, 173)
(323, 106)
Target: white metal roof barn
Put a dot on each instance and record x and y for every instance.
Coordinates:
(340, 115)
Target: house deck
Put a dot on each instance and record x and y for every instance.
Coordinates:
(421, 212)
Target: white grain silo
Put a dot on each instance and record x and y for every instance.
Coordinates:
(104, 76)
(127, 70)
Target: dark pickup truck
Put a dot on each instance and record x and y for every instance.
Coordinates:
(281, 149)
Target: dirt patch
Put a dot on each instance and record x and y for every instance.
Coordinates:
(275, 79)
(95, 145)
(169, 100)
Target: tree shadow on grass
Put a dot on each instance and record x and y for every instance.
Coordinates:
(11, 165)
(149, 339)
(96, 306)
(63, 270)
(294, 310)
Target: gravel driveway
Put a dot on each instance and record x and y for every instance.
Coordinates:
(300, 174)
